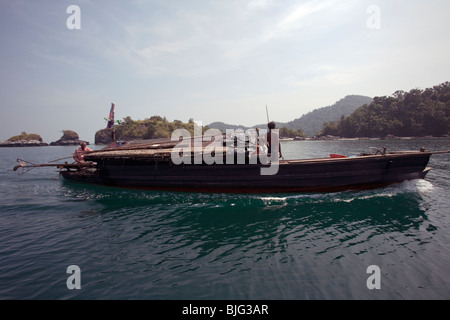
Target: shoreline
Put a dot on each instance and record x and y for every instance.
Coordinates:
(36, 143)
(332, 138)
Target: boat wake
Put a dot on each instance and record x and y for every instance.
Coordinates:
(112, 199)
(419, 187)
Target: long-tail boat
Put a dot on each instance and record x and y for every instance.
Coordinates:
(150, 165)
(236, 167)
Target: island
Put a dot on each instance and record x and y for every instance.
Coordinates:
(24, 140)
(69, 138)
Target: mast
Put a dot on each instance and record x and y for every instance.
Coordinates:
(111, 122)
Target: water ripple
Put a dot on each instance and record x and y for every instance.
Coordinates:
(163, 245)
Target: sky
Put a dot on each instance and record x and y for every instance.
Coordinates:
(209, 60)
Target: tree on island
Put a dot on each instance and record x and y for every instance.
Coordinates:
(292, 133)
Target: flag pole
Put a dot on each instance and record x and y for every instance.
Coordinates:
(111, 122)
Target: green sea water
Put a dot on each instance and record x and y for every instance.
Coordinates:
(131, 244)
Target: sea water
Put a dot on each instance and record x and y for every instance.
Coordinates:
(134, 244)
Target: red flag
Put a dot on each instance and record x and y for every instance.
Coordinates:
(111, 117)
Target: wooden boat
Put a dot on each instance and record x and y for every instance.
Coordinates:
(148, 165)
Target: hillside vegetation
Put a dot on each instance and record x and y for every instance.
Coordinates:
(415, 113)
(153, 128)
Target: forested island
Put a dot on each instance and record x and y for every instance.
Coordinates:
(417, 113)
(154, 127)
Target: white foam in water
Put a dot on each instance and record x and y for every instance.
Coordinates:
(296, 196)
(415, 186)
(419, 185)
(283, 199)
(424, 186)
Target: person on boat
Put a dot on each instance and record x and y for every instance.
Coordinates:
(78, 156)
(271, 125)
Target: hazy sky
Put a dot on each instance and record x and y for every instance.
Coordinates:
(210, 60)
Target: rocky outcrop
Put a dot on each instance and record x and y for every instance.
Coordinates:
(24, 140)
(23, 143)
(103, 137)
(69, 138)
(75, 142)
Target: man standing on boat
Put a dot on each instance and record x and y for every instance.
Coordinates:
(270, 147)
(78, 156)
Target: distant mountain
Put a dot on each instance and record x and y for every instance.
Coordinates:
(223, 126)
(312, 122)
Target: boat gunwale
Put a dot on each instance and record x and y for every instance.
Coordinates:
(113, 155)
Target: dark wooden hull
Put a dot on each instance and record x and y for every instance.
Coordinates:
(311, 175)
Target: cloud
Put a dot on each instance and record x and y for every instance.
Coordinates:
(309, 18)
(234, 54)
(326, 76)
(192, 41)
(303, 12)
(260, 4)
